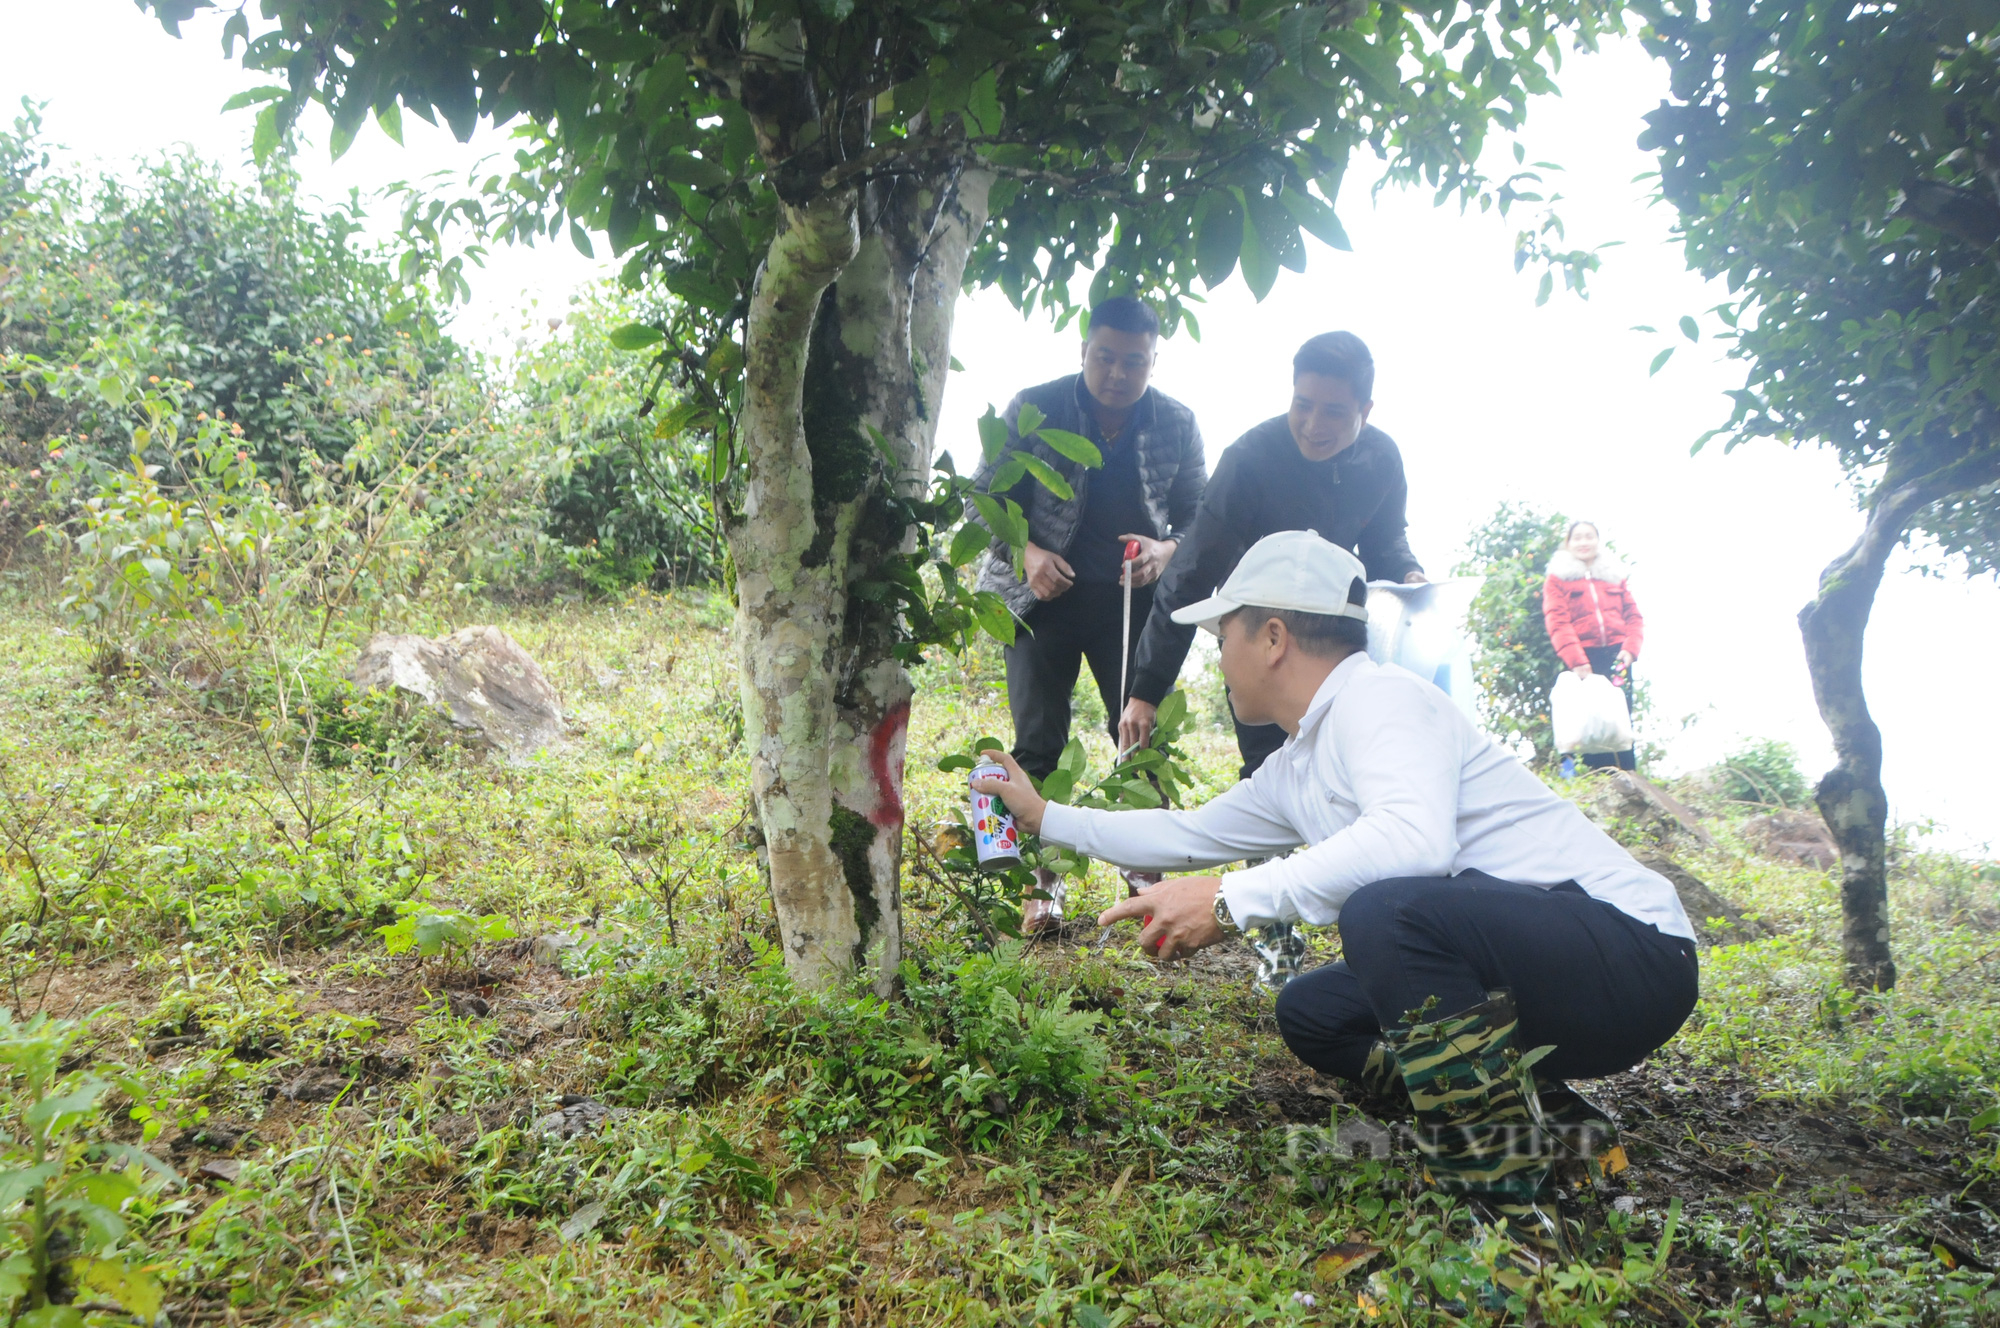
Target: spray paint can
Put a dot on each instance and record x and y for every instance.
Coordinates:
(994, 836)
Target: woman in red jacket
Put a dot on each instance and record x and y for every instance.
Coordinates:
(1593, 620)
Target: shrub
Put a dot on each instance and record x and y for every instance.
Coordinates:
(1765, 771)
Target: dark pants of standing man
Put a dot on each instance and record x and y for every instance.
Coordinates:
(1042, 665)
(1600, 986)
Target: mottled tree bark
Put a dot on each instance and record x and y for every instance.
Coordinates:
(847, 346)
(1834, 627)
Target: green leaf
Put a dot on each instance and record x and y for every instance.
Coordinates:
(1260, 267)
(992, 435)
(982, 107)
(79, 1101)
(1374, 67)
(1006, 522)
(1985, 1120)
(1029, 419)
(265, 140)
(991, 612)
(694, 172)
(636, 336)
(1046, 473)
(252, 97)
(1074, 759)
(108, 1189)
(1008, 473)
(1074, 446)
(1316, 217)
(970, 541)
(1690, 329)
(1660, 361)
(390, 118)
(1218, 238)
(15, 1184)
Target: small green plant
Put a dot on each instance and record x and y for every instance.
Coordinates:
(1149, 777)
(1766, 771)
(431, 931)
(63, 1195)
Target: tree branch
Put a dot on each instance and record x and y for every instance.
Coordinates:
(1971, 216)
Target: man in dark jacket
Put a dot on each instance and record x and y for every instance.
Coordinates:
(1321, 466)
(1147, 491)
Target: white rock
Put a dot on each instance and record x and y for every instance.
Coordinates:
(479, 676)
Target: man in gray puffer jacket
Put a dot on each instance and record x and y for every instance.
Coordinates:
(1147, 490)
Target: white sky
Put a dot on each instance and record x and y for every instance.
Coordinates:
(1490, 397)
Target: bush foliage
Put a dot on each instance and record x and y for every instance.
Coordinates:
(249, 311)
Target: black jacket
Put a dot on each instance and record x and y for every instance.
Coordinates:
(1173, 470)
(1264, 484)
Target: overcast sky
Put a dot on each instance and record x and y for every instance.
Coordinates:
(1490, 397)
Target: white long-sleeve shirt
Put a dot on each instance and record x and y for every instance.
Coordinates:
(1385, 778)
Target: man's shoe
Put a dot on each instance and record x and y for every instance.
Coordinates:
(1043, 917)
(1382, 1092)
(1479, 1123)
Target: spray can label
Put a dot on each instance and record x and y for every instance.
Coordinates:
(995, 839)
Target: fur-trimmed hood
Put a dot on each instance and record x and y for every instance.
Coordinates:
(1565, 566)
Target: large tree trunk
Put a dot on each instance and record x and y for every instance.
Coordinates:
(847, 343)
(788, 606)
(1850, 795)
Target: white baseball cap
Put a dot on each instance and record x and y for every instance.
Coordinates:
(1293, 569)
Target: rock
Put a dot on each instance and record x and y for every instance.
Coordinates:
(549, 948)
(212, 1136)
(316, 1086)
(1793, 836)
(221, 1168)
(479, 676)
(582, 1222)
(583, 1116)
(467, 1005)
(1634, 810)
(469, 1126)
(1716, 920)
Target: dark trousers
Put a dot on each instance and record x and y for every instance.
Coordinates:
(1603, 988)
(1042, 665)
(1603, 659)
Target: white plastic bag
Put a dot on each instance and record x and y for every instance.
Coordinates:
(1589, 714)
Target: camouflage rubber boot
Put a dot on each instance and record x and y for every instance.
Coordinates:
(1382, 1091)
(1583, 1131)
(1479, 1123)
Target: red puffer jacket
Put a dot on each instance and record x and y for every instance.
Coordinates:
(1589, 607)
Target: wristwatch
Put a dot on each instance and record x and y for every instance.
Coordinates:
(1222, 917)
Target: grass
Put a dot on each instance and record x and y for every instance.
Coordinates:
(647, 1124)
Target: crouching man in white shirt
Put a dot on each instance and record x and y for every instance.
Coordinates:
(1487, 926)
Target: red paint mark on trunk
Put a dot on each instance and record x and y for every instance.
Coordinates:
(886, 744)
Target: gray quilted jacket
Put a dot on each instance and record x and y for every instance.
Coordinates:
(1173, 471)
